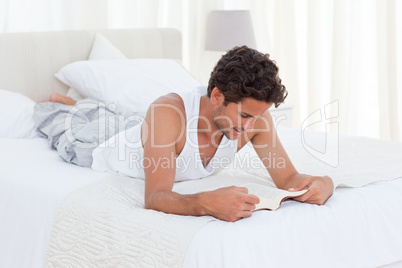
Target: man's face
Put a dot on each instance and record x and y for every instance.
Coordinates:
(235, 118)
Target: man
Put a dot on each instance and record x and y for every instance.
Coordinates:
(203, 130)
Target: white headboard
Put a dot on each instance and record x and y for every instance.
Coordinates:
(28, 61)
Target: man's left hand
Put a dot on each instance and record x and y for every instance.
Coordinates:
(319, 190)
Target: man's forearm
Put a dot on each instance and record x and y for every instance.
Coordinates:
(292, 181)
(229, 203)
(174, 203)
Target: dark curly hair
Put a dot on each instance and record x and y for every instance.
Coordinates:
(244, 72)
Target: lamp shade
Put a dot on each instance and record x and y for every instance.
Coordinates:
(229, 28)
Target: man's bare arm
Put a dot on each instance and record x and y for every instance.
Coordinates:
(160, 139)
(270, 150)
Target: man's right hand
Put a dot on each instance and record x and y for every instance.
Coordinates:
(229, 203)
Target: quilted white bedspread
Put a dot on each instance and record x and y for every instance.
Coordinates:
(104, 225)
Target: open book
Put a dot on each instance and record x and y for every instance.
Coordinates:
(270, 197)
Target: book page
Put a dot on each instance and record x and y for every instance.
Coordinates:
(270, 197)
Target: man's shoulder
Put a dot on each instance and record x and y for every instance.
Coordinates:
(165, 120)
(168, 108)
(169, 101)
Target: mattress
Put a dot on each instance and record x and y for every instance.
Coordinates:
(357, 227)
(33, 182)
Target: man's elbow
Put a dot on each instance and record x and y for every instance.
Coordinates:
(154, 200)
(147, 205)
(149, 202)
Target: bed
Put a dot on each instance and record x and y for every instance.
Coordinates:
(55, 214)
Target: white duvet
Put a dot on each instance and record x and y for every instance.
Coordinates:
(358, 227)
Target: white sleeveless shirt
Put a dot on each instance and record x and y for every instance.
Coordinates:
(124, 154)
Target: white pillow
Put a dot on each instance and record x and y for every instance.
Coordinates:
(102, 49)
(131, 85)
(16, 116)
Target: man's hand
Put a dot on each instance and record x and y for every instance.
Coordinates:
(229, 203)
(319, 190)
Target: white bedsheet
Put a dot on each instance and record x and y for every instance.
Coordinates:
(34, 181)
(357, 227)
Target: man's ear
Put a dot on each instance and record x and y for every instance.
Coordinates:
(217, 97)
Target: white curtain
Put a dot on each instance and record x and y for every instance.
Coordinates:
(339, 54)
